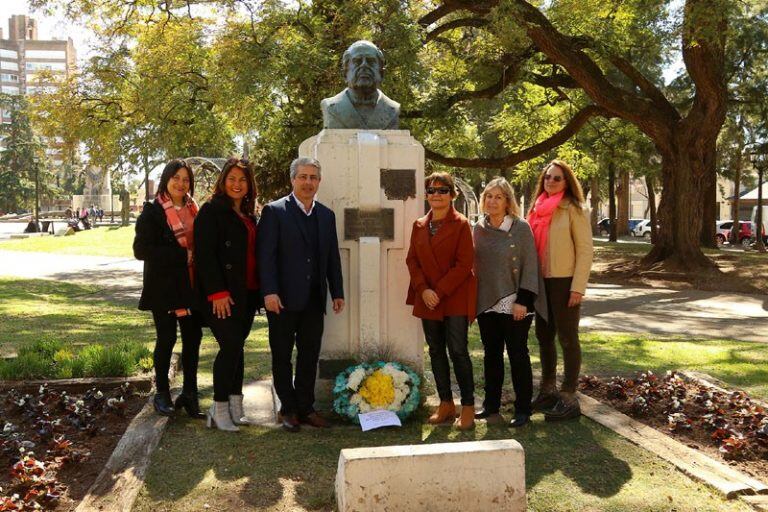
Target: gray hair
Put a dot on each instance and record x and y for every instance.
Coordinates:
(304, 161)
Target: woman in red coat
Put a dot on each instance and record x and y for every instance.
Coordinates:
(443, 292)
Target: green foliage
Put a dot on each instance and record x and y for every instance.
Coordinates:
(49, 359)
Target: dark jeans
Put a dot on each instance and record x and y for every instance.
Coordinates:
(450, 332)
(231, 333)
(498, 331)
(563, 322)
(305, 330)
(191, 334)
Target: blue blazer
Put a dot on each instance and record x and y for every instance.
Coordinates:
(285, 253)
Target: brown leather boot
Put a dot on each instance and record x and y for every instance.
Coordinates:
(467, 419)
(446, 412)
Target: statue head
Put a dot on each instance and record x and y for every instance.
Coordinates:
(363, 65)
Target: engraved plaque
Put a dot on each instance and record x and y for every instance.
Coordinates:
(380, 223)
(398, 184)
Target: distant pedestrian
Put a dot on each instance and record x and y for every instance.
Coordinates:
(563, 238)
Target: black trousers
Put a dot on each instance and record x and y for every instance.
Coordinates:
(230, 334)
(498, 331)
(563, 322)
(450, 333)
(305, 330)
(191, 334)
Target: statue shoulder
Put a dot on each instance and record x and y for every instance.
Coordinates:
(335, 100)
(389, 102)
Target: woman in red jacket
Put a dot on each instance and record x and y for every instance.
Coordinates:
(443, 292)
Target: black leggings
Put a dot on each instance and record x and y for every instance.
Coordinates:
(191, 334)
(450, 333)
(498, 331)
(231, 333)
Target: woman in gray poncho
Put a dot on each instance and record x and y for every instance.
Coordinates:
(508, 292)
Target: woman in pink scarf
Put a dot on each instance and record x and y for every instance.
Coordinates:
(563, 240)
(164, 241)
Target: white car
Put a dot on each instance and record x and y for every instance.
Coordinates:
(643, 229)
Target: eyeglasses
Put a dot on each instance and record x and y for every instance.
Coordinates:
(438, 190)
(556, 179)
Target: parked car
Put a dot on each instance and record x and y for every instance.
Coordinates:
(721, 229)
(604, 226)
(643, 229)
(746, 232)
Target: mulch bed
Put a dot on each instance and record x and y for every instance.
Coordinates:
(726, 425)
(55, 440)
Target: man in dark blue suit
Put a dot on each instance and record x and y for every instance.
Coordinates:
(299, 263)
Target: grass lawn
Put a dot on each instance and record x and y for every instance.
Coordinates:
(574, 466)
(102, 241)
(75, 314)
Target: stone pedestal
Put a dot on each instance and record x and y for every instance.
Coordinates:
(478, 475)
(374, 182)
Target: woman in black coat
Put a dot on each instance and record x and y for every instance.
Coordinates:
(164, 240)
(225, 256)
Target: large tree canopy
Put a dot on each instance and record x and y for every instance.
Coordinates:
(492, 86)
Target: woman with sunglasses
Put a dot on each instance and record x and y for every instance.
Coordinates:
(443, 293)
(164, 240)
(564, 244)
(225, 251)
(508, 284)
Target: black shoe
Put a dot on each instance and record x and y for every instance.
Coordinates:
(483, 414)
(290, 423)
(544, 402)
(563, 411)
(520, 420)
(162, 403)
(188, 400)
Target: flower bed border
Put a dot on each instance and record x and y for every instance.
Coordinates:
(121, 479)
(723, 478)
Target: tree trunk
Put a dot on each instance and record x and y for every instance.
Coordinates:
(760, 246)
(652, 208)
(684, 179)
(622, 197)
(709, 214)
(594, 201)
(612, 201)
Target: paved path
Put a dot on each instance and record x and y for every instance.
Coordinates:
(695, 313)
(607, 307)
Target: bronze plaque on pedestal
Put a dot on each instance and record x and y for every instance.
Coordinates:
(379, 223)
(398, 183)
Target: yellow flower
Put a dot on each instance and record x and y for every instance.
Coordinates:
(378, 389)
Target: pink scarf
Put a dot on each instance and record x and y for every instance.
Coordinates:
(540, 218)
(172, 217)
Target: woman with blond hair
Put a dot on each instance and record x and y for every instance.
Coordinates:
(563, 239)
(508, 291)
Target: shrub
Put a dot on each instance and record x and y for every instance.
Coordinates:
(45, 348)
(28, 365)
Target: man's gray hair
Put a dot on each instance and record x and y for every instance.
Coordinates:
(303, 161)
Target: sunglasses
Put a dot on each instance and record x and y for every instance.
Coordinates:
(556, 179)
(438, 190)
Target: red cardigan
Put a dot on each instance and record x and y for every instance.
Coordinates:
(443, 263)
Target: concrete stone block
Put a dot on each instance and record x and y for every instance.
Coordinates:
(478, 475)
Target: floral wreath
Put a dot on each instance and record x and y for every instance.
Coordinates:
(368, 387)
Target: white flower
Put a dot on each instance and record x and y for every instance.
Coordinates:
(365, 407)
(356, 399)
(355, 379)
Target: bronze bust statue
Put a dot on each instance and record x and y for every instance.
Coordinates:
(361, 105)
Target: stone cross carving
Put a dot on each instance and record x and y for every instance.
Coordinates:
(361, 105)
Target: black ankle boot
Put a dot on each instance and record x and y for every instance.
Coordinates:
(162, 403)
(188, 400)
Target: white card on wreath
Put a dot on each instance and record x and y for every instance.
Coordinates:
(377, 419)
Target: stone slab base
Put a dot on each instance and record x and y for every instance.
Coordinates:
(477, 475)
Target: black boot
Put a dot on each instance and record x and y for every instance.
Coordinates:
(188, 400)
(162, 403)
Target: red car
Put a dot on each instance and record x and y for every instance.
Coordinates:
(745, 234)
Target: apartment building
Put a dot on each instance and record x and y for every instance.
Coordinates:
(29, 64)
